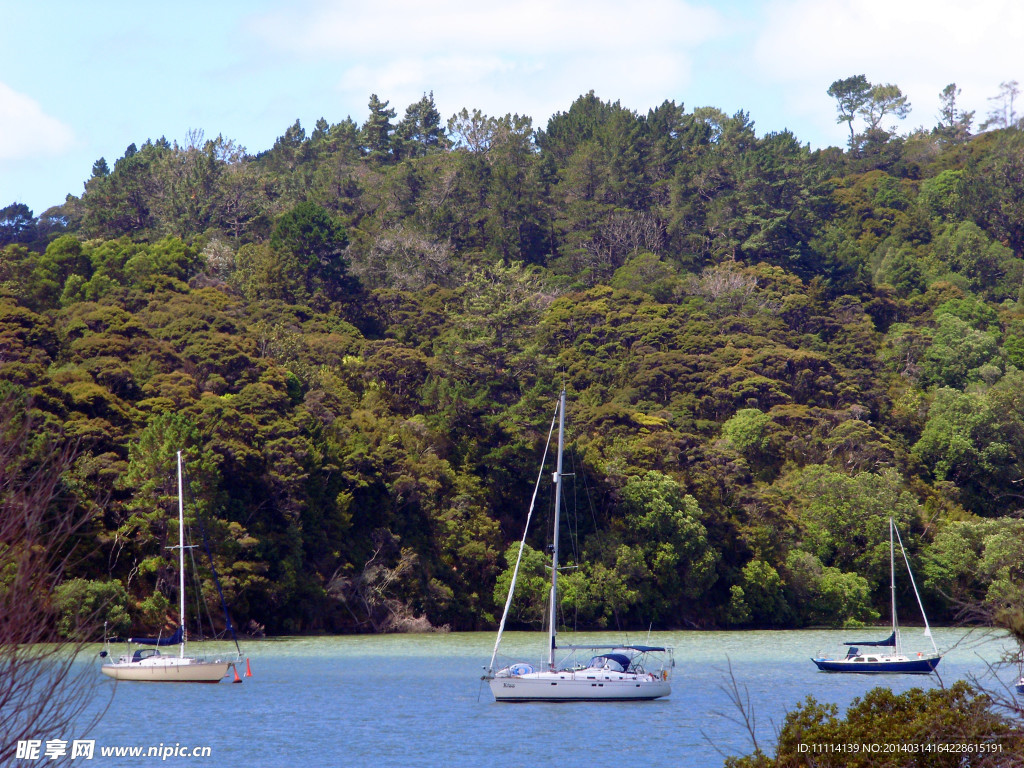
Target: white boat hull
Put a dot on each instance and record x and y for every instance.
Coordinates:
(177, 671)
(617, 673)
(149, 665)
(579, 686)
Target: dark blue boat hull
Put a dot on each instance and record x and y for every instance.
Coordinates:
(922, 666)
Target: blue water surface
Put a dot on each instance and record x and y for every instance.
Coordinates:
(417, 700)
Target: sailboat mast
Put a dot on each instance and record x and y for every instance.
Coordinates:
(181, 561)
(552, 612)
(892, 590)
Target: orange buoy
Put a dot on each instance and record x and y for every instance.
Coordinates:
(237, 678)
(248, 672)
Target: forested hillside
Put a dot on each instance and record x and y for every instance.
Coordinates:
(358, 336)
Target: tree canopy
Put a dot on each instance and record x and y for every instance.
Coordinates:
(356, 336)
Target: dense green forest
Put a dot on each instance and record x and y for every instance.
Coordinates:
(357, 338)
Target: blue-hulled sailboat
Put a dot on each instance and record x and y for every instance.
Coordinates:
(887, 661)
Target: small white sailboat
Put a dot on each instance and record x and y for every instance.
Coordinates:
(613, 672)
(149, 664)
(894, 661)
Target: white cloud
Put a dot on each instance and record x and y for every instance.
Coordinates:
(919, 45)
(909, 37)
(403, 28)
(532, 86)
(528, 56)
(26, 131)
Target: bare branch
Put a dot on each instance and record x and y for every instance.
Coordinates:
(43, 691)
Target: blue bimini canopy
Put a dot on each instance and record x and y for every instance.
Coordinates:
(889, 641)
(174, 639)
(611, 660)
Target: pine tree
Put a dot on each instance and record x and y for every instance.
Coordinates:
(100, 168)
(420, 130)
(377, 131)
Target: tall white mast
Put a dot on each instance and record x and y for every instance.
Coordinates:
(181, 562)
(552, 612)
(892, 590)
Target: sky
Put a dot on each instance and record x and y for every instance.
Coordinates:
(83, 80)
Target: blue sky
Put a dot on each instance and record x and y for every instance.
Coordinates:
(79, 80)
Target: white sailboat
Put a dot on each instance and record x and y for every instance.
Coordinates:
(894, 661)
(149, 664)
(613, 672)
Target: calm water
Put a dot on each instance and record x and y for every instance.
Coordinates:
(417, 701)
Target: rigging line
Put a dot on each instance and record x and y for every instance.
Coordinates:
(574, 517)
(216, 581)
(196, 584)
(522, 544)
(205, 604)
(550, 527)
(576, 550)
(200, 603)
(590, 500)
(927, 629)
(593, 517)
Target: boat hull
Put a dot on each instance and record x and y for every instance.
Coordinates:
(196, 672)
(578, 687)
(919, 666)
